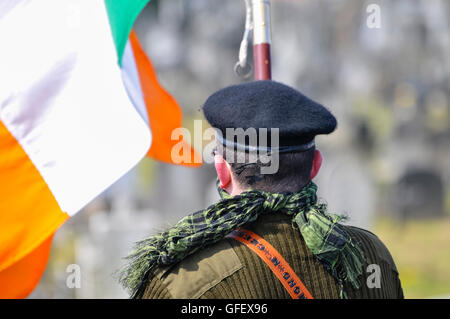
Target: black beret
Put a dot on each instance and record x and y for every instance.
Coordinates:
(269, 104)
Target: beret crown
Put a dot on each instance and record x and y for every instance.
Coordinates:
(269, 104)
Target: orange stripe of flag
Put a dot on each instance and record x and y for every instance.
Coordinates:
(163, 111)
(29, 214)
(19, 279)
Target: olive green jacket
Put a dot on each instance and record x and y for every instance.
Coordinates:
(229, 269)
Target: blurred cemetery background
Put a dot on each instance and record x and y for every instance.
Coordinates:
(387, 166)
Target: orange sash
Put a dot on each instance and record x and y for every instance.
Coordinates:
(279, 266)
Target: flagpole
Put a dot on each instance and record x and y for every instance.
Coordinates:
(261, 39)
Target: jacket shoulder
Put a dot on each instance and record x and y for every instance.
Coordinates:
(372, 246)
(381, 274)
(197, 273)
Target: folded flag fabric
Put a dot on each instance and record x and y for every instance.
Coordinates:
(80, 105)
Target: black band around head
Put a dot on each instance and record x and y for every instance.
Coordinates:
(250, 148)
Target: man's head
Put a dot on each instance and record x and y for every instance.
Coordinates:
(295, 171)
(284, 122)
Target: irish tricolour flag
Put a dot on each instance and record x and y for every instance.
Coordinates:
(79, 106)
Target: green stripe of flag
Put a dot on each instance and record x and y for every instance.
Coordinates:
(121, 14)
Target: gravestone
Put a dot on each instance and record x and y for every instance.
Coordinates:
(419, 193)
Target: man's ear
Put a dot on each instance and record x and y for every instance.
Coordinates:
(317, 163)
(223, 171)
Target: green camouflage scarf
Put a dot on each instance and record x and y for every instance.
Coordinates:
(322, 233)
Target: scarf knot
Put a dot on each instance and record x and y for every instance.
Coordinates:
(274, 203)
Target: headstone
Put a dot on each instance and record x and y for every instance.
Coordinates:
(419, 193)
